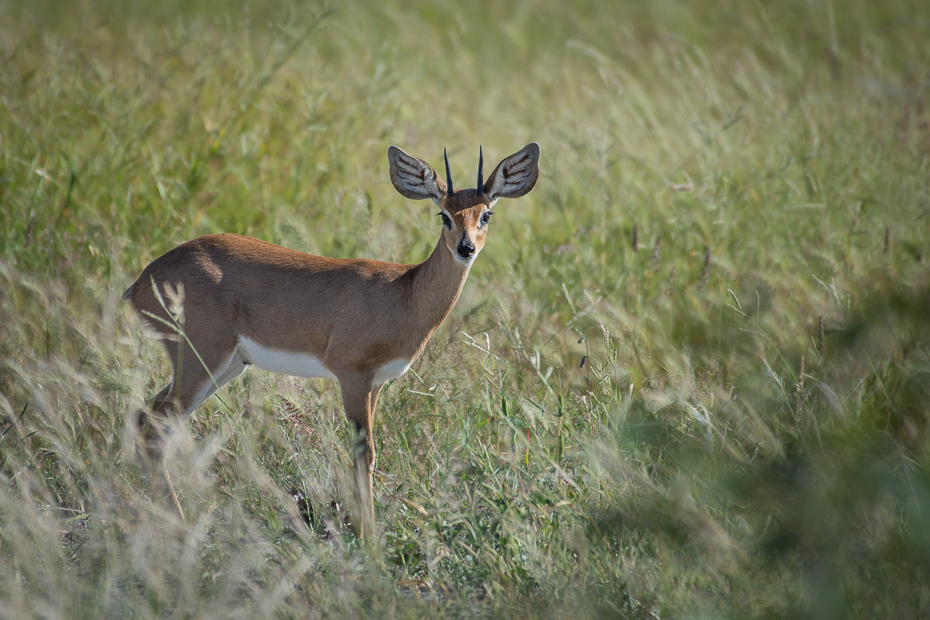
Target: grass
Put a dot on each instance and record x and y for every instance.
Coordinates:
(688, 376)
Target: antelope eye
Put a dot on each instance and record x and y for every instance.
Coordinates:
(445, 220)
(486, 217)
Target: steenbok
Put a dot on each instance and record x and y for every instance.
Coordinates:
(361, 322)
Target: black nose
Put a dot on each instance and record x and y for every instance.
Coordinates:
(466, 247)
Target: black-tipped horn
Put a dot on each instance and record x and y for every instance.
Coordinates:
(480, 169)
(448, 173)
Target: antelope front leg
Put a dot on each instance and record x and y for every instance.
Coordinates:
(358, 398)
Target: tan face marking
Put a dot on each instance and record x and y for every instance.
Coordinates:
(468, 213)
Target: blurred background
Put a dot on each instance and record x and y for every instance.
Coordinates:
(688, 376)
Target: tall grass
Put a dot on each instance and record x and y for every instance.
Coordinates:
(687, 378)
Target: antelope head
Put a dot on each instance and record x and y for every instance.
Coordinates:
(465, 213)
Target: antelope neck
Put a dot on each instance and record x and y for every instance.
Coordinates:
(438, 281)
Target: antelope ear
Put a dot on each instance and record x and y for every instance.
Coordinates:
(516, 175)
(413, 177)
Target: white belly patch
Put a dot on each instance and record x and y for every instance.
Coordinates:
(391, 370)
(283, 362)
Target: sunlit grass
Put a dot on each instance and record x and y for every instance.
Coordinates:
(687, 377)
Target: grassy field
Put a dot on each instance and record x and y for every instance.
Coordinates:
(689, 375)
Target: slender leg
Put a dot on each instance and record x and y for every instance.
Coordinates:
(151, 423)
(375, 393)
(369, 434)
(357, 399)
(191, 385)
(147, 422)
